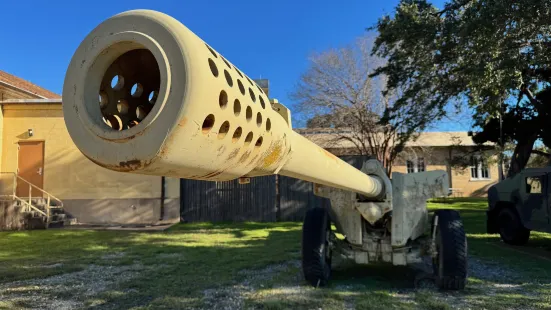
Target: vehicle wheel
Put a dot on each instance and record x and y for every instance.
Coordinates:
(316, 254)
(511, 229)
(450, 263)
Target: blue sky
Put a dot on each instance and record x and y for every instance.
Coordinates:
(268, 39)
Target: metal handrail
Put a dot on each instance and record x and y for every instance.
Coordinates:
(31, 206)
(16, 176)
(29, 203)
(26, 204)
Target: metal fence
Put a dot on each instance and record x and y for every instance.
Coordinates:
(228, 201)
(265, 199)
(296, 196)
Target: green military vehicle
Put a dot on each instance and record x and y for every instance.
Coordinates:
(520, 204)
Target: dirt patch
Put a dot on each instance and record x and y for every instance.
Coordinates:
(113, 256)
(486, 281)
(279, 285)
(234, 297)
(65, 291)
(163, 256)
(226, 298)
(258, 277)
(285, 281)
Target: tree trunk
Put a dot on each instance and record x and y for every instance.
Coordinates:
(521, 155)
(500, 165)
(388, 170)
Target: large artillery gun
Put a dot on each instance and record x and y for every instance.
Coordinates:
(143, 94)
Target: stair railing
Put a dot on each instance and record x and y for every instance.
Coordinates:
(28, 204)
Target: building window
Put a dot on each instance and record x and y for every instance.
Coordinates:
(534, 184)
(410, 166)
(479, 168)
(420, 165)
(415, 166)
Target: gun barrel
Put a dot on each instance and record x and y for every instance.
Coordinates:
(143, 94)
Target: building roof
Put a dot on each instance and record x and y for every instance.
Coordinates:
(31, 101)
(13, 81)
(327, 138)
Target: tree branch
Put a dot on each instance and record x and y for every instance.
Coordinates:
(543, 72)
(527, 44)
(524, 90)
(541, 153)
(452, 8)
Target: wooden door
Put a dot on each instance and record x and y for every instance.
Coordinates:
(30, 167)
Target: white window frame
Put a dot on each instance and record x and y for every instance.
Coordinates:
(414, 166)
(538, 189)
(479, 165)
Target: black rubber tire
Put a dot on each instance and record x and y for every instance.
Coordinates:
(450, 265)
(316, 255)
(511, 229)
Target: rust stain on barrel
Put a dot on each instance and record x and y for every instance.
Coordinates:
(212, 174)
(183, 122)
(124, 166)
(253, 160)
(221, 150)
(216, 173)
(131, 165)
(166, 145)
(330, 155)
(274, 154)
(233, 154)
(141, 133)
(244, 157)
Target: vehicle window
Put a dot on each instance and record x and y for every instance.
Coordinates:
(534, 185)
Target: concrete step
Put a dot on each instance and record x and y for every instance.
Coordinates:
(40, 201)
(32, 214)
(57, 211)
(36, 220)
(71, 221)
(41, 206)
(59, 217)
(44, 201)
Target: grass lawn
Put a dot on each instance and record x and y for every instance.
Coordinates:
(250, 265)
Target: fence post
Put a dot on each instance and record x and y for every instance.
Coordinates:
(182, 196)
(278, 198)
(14, 185)
(48, 217)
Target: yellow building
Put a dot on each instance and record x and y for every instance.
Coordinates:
(35, 144)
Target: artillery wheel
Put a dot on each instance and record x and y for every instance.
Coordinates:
(450, 263)
(511, 229)
(316, 253)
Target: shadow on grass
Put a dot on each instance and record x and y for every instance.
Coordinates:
(373, 276)
(181, 264)
(178, 264)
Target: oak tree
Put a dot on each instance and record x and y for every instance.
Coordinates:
(483, 53)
